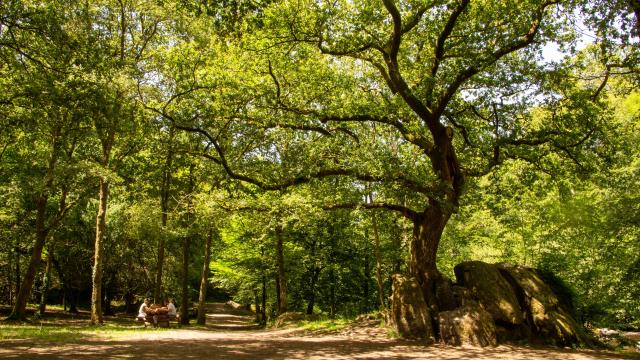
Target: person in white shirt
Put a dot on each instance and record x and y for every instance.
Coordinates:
(172, 308)
(142, 312)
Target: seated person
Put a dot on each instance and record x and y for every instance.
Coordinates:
(173, 312)
(144, 309)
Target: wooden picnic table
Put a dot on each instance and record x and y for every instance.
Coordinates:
(157, 317)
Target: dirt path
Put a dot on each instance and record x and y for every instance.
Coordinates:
(231, 335)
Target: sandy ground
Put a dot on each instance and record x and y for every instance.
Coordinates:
(229, 336)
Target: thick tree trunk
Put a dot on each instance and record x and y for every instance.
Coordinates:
(204, 279)
(19, 308)
(429, 225)
(424, 248)
(282, 280)
(101, 225)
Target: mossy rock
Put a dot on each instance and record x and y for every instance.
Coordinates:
(549, 322)
(468, 325)
(491, 290)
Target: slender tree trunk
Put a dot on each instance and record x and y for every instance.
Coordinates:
(19, 308)
(15, 287)
(10, 277)
(282, 281)
(18, 275)
(204, 279)
(315, 273)
(312, 291)
(73, 300)
(257, 302)
(107, 140)
(332, 292)
(63, 283)
(157, 290)
(367, 276)
(101, 225)
(278, 294)
(164, 205)
(46, 279)
(264, 299)
(376, 237)
(108, 298)
(263, 320)
(186, 246)
(185, 299)
(42, 231)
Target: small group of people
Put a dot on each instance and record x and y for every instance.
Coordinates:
(151, 312)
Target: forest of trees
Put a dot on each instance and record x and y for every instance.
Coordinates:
(296, 154)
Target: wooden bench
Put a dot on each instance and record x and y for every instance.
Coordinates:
(162, 321)
(165, 321)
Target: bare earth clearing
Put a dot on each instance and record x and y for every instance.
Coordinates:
(231, 336)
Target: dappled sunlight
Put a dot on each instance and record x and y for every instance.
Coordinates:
(233, 336)
(246, 345)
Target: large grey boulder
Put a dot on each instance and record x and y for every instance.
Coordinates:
(468, 325)
(409, 313)
(547, 319)
(491, 290)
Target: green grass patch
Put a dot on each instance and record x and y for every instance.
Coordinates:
(54, 331)
(325, 324)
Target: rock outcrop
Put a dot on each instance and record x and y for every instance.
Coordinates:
(547, 319)
(468, 325)
(409, 313)
(491, 290)
(489, 303)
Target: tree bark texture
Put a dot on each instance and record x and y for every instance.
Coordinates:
(315, 274)
(376, 238)
(186, 246)
(312, 290)
(46, 278)
(19, 308)
(107, 139)
(96, 278)
(42, 231)
(282, 280)
(264, 300)
(164, 206)
(204, 279)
